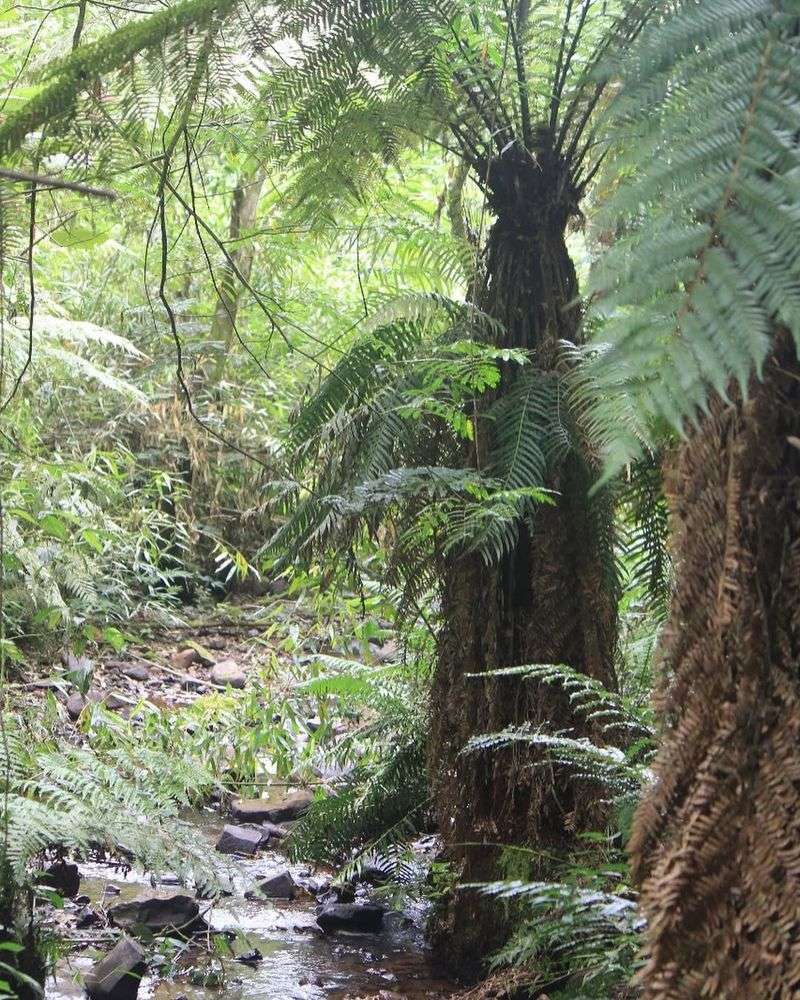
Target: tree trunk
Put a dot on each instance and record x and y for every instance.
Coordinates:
(550, 601)
(716, 841)
(243, 216)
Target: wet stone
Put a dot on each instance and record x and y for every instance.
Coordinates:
(250, 810)
(62, 877)
(240, 840)
(250, 957)
(87, 917)
(159, 914)
(136, 671)
(361, 918)
(117, 976)
(279, 886)
(75, 705)
(274, 832)
(184, 658)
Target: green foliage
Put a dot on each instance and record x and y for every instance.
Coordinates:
(618, 719)
(77, 800)
(708, 262)
(577, 934)
(581, 934)
(380, 804)
(80, 543)
(381, 800)
(70, 76)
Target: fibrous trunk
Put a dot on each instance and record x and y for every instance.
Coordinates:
(549, 601)
(717, 839)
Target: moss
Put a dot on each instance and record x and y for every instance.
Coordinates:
(75, 73)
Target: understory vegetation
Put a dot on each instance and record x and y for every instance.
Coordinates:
(400, 416)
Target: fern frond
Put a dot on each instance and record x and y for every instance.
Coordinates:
(585, 760)
(710, 263)
(594, 702)
(72, 75)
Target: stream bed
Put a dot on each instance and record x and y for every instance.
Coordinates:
(298, 960)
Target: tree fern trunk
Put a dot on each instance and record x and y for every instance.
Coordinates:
(717, 840)
(551, 601)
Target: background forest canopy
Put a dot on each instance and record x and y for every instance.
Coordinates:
(451, 346)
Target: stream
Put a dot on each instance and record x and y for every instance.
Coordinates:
(298, 961)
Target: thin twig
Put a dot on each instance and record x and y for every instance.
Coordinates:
(45, 180)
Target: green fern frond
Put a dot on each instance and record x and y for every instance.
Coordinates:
(591, 699)
(710, 262)
(584, 760)
(72, 75)
(380, 804)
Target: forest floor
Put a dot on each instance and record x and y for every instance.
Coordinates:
(254, 948)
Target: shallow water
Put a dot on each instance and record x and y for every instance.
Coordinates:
(299, 962)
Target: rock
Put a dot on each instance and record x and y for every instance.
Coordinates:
(159, 914)
(337, 894)
(228, 673)
(257, 811)
(206, 657)
(108, 700)
(136, 671)
(75, 705)
(250, 957)
(86, 917)
(292, 807)
(373, 874)
(216, 642)
(240, 840)
(316, 885)
(387, 653)
(82, 900)
(279, 886)
(274, 832)
(117, 976)
(63, 877)
(184, 658)
(112, 890)
(362, 918)
(250, 810)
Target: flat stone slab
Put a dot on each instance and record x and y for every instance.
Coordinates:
(158, 913)
(279, 886)
(292, 807)
(251, 810)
